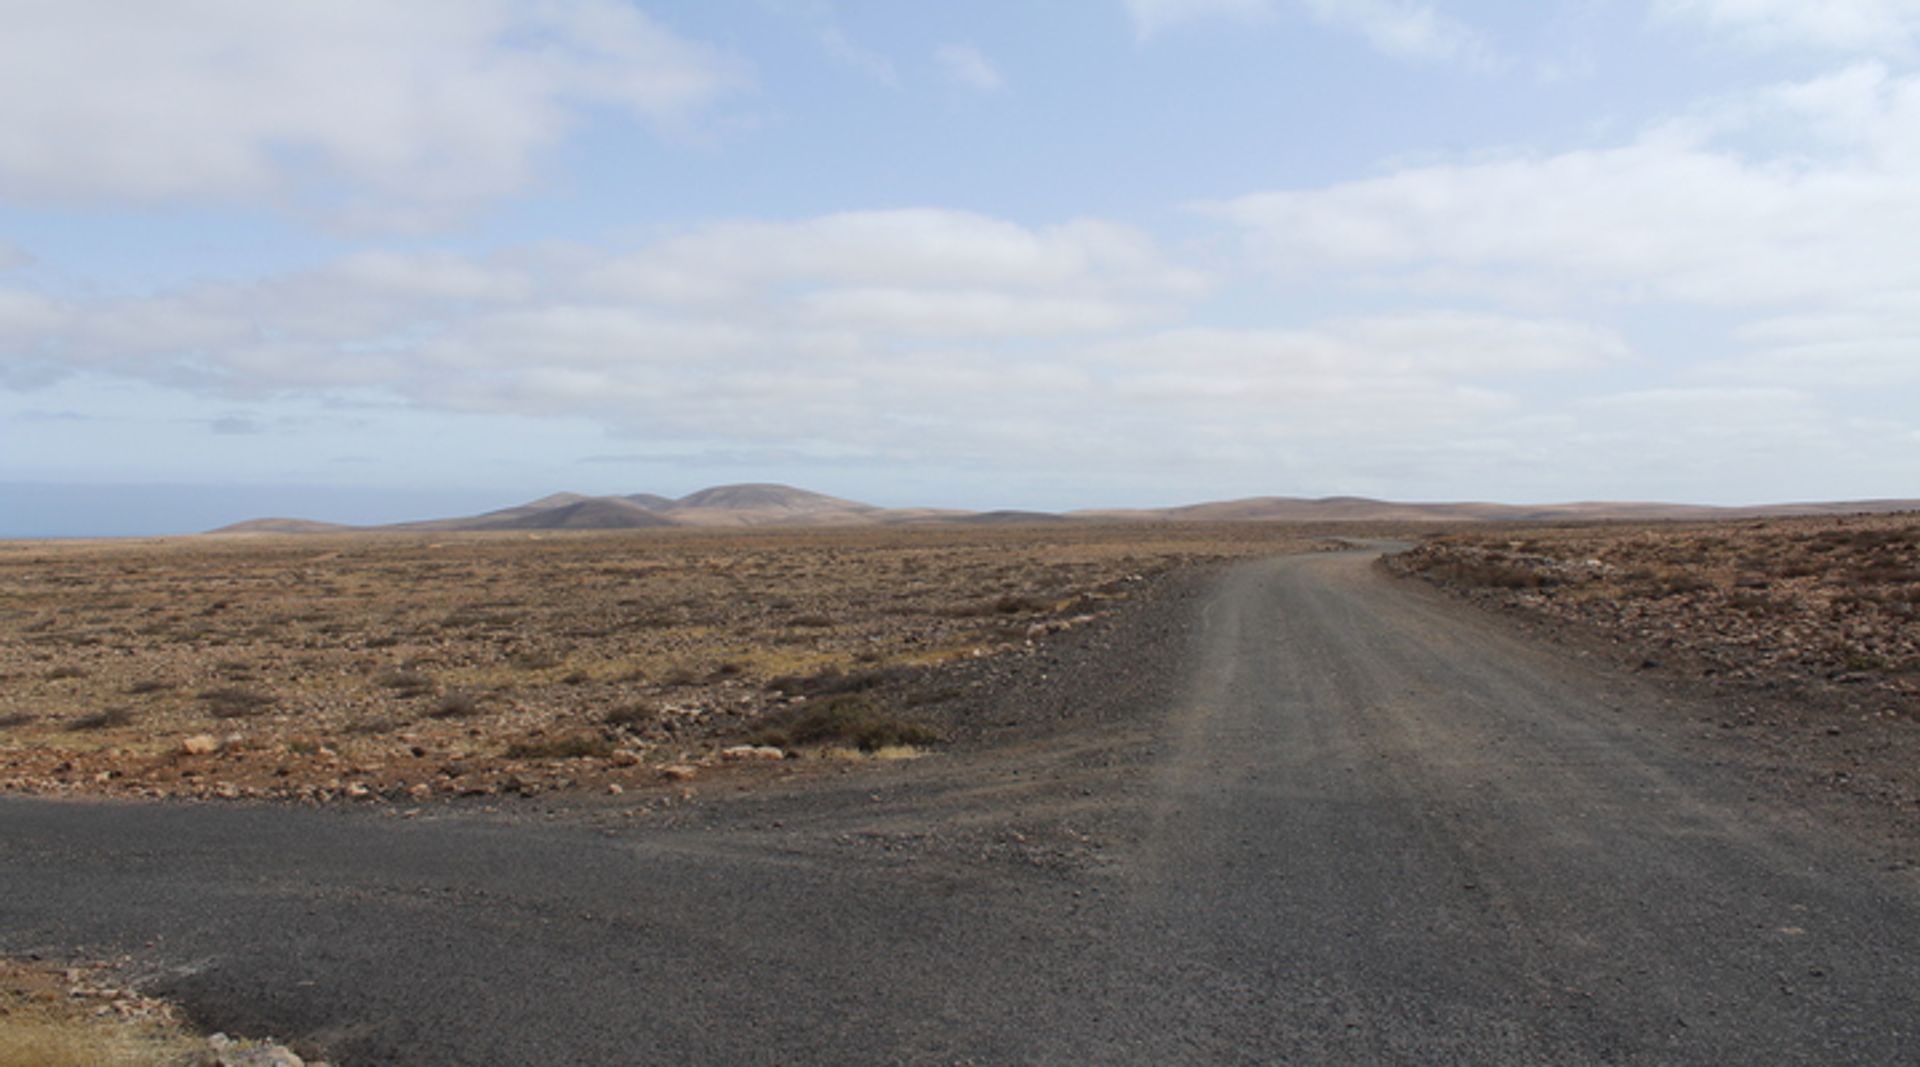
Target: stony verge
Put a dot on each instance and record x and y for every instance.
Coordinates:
(1807, 630)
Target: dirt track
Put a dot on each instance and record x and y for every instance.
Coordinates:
(1305, 815)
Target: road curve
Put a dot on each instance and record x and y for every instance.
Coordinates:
(1370, 827)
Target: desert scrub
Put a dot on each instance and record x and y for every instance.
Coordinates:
(235, 702)
(575, 746)
(455, 706)
(629, 716)
(854, 719)
(108, 719)
(405, 683)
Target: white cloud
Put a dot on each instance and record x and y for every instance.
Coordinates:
(1152, 17)
(388, 111)
(852, 54)
(732, 295)
(13, 257)
(910, 336)
(1404, 28)
(1761, 244)
(966, 66)
(1875, 27)
(939, 253)
(1674, 215)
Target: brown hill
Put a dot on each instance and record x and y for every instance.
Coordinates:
(765, 504)
(591, 513)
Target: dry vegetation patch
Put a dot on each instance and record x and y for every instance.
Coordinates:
(407, 667)
(80, 1017)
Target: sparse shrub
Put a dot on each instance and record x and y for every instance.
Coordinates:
(407, 683)
(62, 673)
(534, 660)
(831, 682)
(577, 678)
(810, 622)
(1004, 604)
(455, 706)
(848, 718)
(680, 676)
(627, 716)
(234, 702)
(1488, 574)
(573, 746)
(1757, 605)
(1682, 584)
(109, 719)
(18, 718)
(148, 685)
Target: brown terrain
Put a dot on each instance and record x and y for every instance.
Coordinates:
(411, 666)
(1806, 629)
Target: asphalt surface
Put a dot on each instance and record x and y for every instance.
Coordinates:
(1364, 826)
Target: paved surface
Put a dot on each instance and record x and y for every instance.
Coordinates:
(1366, 827)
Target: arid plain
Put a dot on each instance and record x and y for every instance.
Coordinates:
(407, 667)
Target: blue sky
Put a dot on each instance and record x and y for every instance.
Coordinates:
(373, 261)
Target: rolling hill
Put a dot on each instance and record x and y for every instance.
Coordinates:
(770, 505)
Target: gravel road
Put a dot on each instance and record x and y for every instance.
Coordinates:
(1309, 814)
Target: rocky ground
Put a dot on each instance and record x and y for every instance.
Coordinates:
(408, 669)
(1808, 629)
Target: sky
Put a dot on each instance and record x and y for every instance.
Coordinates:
(366, 261)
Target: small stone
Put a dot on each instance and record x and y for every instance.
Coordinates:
(625, 758)
(678, 772)
(614, 789)
(358, 791)
(419, 790)
(199, 745)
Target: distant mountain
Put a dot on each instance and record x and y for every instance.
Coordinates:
(768, 505)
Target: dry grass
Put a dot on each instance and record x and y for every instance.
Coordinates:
(36, 1036)
(43, 1025)
(339, 659)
